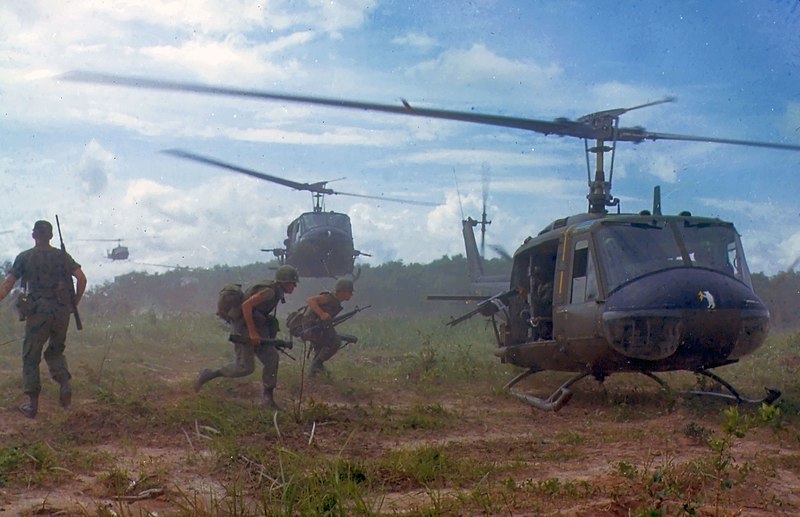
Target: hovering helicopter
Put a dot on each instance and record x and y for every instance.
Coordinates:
(599, 293)
(318, 243)
(118, 252)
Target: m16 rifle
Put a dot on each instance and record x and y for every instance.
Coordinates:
(68, 278)
(322, 324)
(279, 344)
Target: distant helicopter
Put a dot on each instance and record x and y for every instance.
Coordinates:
(599, 293)
(118, 252)
(481, 285)
(318, 243)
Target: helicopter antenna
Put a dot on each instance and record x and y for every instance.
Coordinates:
(485, 195)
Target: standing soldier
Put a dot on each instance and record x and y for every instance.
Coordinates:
(323, 307)
(257, 322)
(46, 273)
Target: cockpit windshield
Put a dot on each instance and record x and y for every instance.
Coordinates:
(630, 250)
(313, 220)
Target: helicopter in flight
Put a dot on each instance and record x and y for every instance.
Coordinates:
(598, 293)
(118, 252)
(318, 243)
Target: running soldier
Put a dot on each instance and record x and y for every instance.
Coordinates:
(46, 275)
(257, 321)
(323, 338)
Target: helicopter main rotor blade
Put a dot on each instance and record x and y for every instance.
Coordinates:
(312, 187)
(582, 128)
(647, 135)
(541, 126)
(383, 198)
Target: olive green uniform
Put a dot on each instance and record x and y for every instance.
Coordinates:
(267, 326)
(324, 339)
(45, 273)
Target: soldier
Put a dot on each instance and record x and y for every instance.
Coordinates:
(46, 273)
(322, 307)
(257, 322)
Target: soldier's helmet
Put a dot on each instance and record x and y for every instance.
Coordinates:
(344, 285)
(287, 274)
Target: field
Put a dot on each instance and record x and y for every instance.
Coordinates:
(411, 420)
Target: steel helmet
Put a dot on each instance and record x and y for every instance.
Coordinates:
(287, 274)
(344, 285)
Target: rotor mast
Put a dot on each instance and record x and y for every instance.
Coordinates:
(599, 195)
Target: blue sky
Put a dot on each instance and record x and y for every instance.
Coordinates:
(91, 153)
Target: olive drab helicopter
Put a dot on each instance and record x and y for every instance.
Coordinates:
(318, 243)
(118, 252)
(598, 293)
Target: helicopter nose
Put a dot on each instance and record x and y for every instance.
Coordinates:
(686, 314)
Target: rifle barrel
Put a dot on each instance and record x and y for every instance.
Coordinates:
(68, 275)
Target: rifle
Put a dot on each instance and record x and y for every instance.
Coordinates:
(68, 276)
(334, 321)
(279, 344)
(488, 307)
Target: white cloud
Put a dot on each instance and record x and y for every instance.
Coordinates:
(480, 66)
(415, 40)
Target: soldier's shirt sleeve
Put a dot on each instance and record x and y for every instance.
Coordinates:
(71, 264)
(18, 268)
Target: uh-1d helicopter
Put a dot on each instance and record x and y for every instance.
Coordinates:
(318, 243)
(118, 252)
(599, 293)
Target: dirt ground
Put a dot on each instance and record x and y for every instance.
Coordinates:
(612, 448)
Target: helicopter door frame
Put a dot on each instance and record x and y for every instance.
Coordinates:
(579, 290)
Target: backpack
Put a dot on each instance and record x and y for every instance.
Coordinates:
(229, 302)
(294, 321)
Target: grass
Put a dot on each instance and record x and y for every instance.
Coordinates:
(411, 420)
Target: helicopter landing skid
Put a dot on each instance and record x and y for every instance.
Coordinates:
(773, 394)
(554, 402)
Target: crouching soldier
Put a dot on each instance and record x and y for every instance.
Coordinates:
(256, 321)
(323, 307)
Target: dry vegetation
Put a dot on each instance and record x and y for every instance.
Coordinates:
(410, 421)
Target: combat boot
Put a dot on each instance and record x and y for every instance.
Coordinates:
(65, 394)
(317, 368)
(203, 377)
(30, 408)
(268, 401)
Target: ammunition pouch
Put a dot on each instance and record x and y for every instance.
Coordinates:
(24, 306)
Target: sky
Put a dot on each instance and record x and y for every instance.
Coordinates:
(91, 153)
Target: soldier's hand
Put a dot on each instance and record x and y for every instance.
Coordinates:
(255, 339)
(325, 316)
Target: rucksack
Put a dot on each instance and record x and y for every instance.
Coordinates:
(294, 321)
(229, 302)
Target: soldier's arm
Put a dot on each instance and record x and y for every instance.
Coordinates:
(81, 287)
(7, 285)
(247, 312)
(314, 304)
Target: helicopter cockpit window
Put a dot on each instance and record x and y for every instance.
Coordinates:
(716, 246)
(325, 219)
(584, 279)
(628, 251)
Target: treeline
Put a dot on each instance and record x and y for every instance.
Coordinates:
(392, 288)
(781, 294)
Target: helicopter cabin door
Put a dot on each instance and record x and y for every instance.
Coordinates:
(576, 315)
